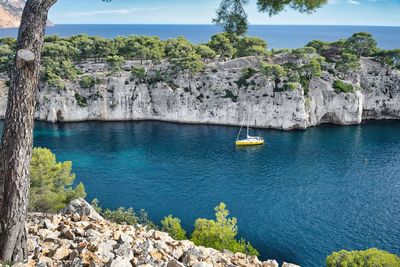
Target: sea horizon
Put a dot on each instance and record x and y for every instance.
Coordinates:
(277, 36)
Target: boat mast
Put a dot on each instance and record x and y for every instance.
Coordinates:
(248, 123)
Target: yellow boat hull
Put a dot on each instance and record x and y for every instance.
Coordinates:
(249, 143)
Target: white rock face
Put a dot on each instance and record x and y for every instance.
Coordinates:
(213, 97)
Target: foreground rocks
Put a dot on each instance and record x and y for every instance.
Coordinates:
(81, 237)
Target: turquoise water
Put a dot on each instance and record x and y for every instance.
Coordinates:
(298, 198)
(277, 36)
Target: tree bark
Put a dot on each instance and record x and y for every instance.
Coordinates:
(17, 140)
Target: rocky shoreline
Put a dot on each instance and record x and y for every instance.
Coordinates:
(79, 236)
(214, 96)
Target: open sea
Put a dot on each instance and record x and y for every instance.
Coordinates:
(300, 197)
(277, 36)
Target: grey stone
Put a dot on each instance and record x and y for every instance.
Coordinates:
(81, 207)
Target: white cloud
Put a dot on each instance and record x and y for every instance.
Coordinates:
(109, 11)
(354, 2)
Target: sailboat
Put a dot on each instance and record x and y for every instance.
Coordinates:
(249, 140)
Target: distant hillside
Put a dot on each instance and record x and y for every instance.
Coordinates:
(10, 13)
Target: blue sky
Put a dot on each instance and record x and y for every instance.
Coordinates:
(337, 12)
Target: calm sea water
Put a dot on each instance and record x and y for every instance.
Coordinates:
(298, 198)
(277, 36)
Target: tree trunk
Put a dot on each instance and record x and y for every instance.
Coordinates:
(17, 140)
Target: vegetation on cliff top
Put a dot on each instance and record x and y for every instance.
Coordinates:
(288, 67)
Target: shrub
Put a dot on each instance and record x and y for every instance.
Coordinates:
(273, 70)
(367, 258)
(220, 233)
(51, 182)
(87, 81)
(291, 86)
(205, 51)
(222, 45)
(80, 100)
(348, 62)
(247, 73)
(361, 44)
(122, 215)
(229, 94)
(173, 227)
(115, 62)
(139, 73)
(342, 87)
(294, 77)
(312, 69)
(55, 80)
(251, 46)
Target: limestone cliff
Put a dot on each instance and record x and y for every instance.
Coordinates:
(214, 96)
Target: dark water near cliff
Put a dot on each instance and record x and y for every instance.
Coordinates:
(277, 36)
(300, 197)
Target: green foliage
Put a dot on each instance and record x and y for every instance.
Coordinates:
(367, 258)
(191, 63)
(51, 182)
(247, 73)
(115, 62)
(55, 80)
(291, 86)
(304, 52)
(232, 96)
(173, 226)
(273, 7)
(361, 44)
(220, 233)
(183, 55)
(342, 87)
(251, 46)
(205, 52)
(312, 69)
(232, 17)
(122, 215)
(222, 45)
(348, 62)
(390, 58)
(139, 73)
(80, 100)
(319, 46)
(294, 77)
(6, 54)
(275, 70)
(87, 81)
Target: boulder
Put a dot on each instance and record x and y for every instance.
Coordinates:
(120, 262)
(285, 264)
(59, 253)
(175, 263)
(82, 208)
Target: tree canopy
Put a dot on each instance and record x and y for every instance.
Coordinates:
(232, 16)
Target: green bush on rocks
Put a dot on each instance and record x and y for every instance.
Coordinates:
(173, 226)
(220, 233)
(342, 87)
(51, 182)
(367, 258)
